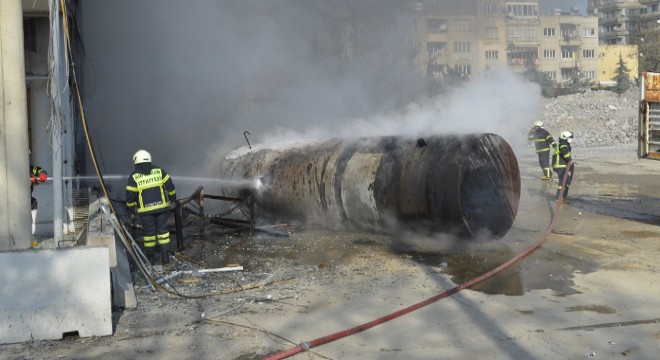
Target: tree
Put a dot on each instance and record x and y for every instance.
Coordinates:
(622, 79)
(649, 51)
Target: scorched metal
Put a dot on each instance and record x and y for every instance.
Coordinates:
(461, 184)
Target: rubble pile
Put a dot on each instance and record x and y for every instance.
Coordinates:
(596, 117)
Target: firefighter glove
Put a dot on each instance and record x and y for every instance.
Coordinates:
(172, 205)
(42, 177)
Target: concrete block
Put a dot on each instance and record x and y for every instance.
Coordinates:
(47, 293)
(101, 233)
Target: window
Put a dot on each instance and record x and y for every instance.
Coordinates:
(566, 53)
(568, 33)
(549, 54)
(437, 70)
(588, 53)
(491, 54)
(522, 57)
(549, 32)
(522, 32)
(591, 75)
(462, 25)
(491, 8)
(588, 32)
(436, 26)
(552, 75)
(462, 47)
(436, 48)
(491, 33)
(463, 69)
(522, 10)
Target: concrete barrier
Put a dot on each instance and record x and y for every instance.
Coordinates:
(47, 293)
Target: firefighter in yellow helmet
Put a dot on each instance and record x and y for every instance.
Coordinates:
(149, 192)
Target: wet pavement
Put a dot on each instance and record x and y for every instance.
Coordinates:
(589, 291)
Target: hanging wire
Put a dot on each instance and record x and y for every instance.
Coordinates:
(131, 247)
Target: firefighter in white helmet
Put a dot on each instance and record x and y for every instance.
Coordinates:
(542, 141)
(560, 160)
(149, 192)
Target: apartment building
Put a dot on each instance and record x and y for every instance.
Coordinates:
(472, 36)
(650, 16)
(462, 36)
(618, 20)
(569, 43)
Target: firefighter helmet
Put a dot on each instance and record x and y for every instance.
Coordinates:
(538, 123)
(141, 156)
(565, 135)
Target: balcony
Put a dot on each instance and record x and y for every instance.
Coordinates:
(492, 41)
(570, 40)
(462, 57)
(567, 63)
(612, 34)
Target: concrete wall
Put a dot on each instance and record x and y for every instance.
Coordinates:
(47, 293)
(608, 61)
(15, 216)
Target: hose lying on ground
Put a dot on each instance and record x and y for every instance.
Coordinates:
(344, 333)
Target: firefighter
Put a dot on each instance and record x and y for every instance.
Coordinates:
(37, 176)
(149, 193)
(560, 159)
(542, 141)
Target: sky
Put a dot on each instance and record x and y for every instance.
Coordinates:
(548, 5)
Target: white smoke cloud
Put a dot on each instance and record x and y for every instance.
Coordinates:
(184, 80)
(503, 102)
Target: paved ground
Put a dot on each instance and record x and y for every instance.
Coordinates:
(590, 291)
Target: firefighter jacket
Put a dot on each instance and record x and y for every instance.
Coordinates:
(35, 171)
(541, 138)
(562, 155)
(149, 189)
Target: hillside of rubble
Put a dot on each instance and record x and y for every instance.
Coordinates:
(596, 117)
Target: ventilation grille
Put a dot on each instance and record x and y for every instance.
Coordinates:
(80, 209)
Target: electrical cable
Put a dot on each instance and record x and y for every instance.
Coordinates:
(304, 346)
(130, 247)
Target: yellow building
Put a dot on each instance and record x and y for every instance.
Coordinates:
(608, 62)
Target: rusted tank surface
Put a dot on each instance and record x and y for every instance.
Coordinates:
(650, 86)
(460, 184)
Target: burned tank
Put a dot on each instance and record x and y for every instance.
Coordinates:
(468, 184)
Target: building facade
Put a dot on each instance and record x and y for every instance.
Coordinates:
(469, 37)
(618, 20)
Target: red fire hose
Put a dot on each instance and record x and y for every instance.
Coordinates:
(344, 333)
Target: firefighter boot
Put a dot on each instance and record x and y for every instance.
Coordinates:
(151, 256)
(165, 253)
(166, 257)
(547, 174)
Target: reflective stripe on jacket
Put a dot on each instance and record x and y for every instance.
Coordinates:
(35, 171)
(562, 155)
(541, 138)
(150, 189)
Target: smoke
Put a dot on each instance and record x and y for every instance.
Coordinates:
(502, 102)
(185, 79)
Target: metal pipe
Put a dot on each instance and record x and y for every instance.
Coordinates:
(460, 184)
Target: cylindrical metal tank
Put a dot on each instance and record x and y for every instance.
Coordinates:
(460, 184)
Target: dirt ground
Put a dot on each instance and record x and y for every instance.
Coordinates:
(590, 291)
